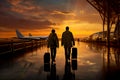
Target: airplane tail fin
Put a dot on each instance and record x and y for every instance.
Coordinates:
(19, 35)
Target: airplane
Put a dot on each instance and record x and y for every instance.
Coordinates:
(21, 36)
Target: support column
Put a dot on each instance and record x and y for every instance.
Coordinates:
(103, 29)
(108, 23)
(108, 33)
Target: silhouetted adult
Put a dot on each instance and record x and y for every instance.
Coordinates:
(53, 43)
(68, 42)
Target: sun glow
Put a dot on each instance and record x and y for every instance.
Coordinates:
(39, 20)
(79, 29)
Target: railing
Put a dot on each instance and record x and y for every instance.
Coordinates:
(13, 46)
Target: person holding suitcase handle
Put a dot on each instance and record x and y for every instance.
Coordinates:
(53, 43)
(68, 42)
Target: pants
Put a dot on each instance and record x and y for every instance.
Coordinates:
(67, 52)
(53, 53)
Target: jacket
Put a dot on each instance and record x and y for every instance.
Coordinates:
(53, 41)
(67, 39)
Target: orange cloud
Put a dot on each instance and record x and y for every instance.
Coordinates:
(37, 16)
(15, 2)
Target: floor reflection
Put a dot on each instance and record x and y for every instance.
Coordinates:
(112, 68)
(69, 70)
(94, 62)
(52, 75)
(68, 74)
(111, 61)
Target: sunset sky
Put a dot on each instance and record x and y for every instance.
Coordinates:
(38, 17)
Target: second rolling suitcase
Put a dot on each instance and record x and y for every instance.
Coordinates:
(47, 57)
(74, 52)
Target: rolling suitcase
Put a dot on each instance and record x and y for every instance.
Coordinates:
(47, 57)
(74, 52)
